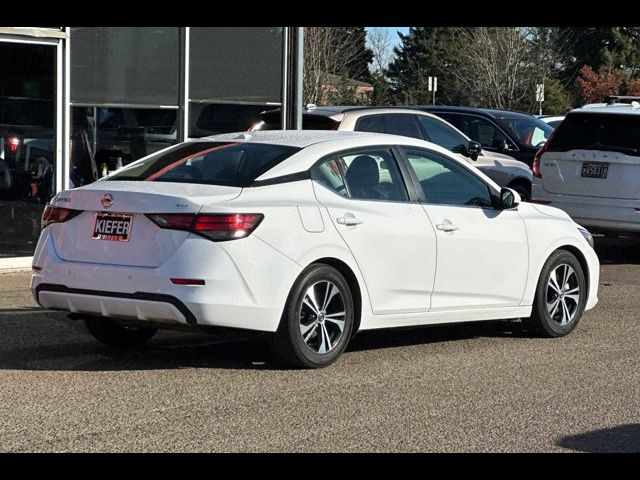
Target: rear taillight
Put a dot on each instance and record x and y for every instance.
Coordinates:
(535, 167)
(13, 143)
(57, 215)
(214, 226)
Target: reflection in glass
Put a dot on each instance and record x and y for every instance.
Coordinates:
(27, 143)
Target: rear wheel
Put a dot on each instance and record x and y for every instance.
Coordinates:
(114, 335)
(317, 320)
(561, 296)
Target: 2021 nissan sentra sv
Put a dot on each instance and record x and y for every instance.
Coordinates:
(311, 236)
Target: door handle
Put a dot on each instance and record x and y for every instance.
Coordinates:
(447, 227)
(349, 219)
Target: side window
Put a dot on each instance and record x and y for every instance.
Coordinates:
(403, 124)
(371, 123)
(328, 174)
(483, 131)
(395, 124)
(442, 134)
(444, 182)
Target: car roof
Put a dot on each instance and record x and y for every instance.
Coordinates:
(303, 138)
(616, 109)
(331, 110)
(489, 112)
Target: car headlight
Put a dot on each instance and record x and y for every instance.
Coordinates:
(587, 236)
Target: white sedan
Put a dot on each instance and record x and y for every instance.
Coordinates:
(310, 236)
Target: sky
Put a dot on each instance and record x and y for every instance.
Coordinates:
(395, 40)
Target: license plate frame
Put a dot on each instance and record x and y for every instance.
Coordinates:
(109, 232)
(594, 170)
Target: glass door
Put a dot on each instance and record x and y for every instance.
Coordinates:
(30, 110)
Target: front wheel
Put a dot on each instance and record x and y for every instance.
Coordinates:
(523, 190)
(561, 296)
(317, 320)
(114, 335)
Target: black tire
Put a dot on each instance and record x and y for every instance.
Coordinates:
(541, 322)
(523, 190)
(288, 342)
(117, 336)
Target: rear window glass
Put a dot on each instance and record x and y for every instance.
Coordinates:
(212, 163)
(586, 131)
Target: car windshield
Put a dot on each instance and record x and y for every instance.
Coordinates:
(212, 163)
(530, 131)
(592, 131)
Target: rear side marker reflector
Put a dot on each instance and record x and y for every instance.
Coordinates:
(35, 268)
(187, 281)
(214, 226)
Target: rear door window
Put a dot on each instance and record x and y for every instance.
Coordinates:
(403, 124)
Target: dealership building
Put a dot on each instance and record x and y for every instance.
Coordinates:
(79, 102)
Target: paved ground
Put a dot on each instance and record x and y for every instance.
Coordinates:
(478, 387)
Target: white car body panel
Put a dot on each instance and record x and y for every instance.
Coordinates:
(475, 273)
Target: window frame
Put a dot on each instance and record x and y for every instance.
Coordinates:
(406, 180)
(417, 187)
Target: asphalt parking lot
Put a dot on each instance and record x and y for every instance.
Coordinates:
(474, 387)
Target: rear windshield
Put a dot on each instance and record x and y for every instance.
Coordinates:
(592, 131)
(211, 163)
(309, 122)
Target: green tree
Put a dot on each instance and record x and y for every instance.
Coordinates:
(603, 49)
(425, 52)
(557, 100)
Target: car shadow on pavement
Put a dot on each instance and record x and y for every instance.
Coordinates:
(618, 251)
(48, 341)
(620, 439)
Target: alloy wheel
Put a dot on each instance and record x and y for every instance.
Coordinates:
(563, 294)
(322, 316)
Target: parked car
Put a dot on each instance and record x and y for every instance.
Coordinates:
(502, 169)
(590, 168)
(517, 134)
(311, 237)
(552, 120)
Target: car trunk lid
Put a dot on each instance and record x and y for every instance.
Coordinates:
(146, 244)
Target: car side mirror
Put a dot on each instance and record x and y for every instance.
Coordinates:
(474, 150)
(508, 199)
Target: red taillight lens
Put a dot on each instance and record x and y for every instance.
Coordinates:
(173, 221)
(13, 143)
(57, 215)
(535, 167)
(214, 226)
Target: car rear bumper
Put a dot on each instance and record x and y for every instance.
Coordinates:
(235, 293)
(594, 213)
